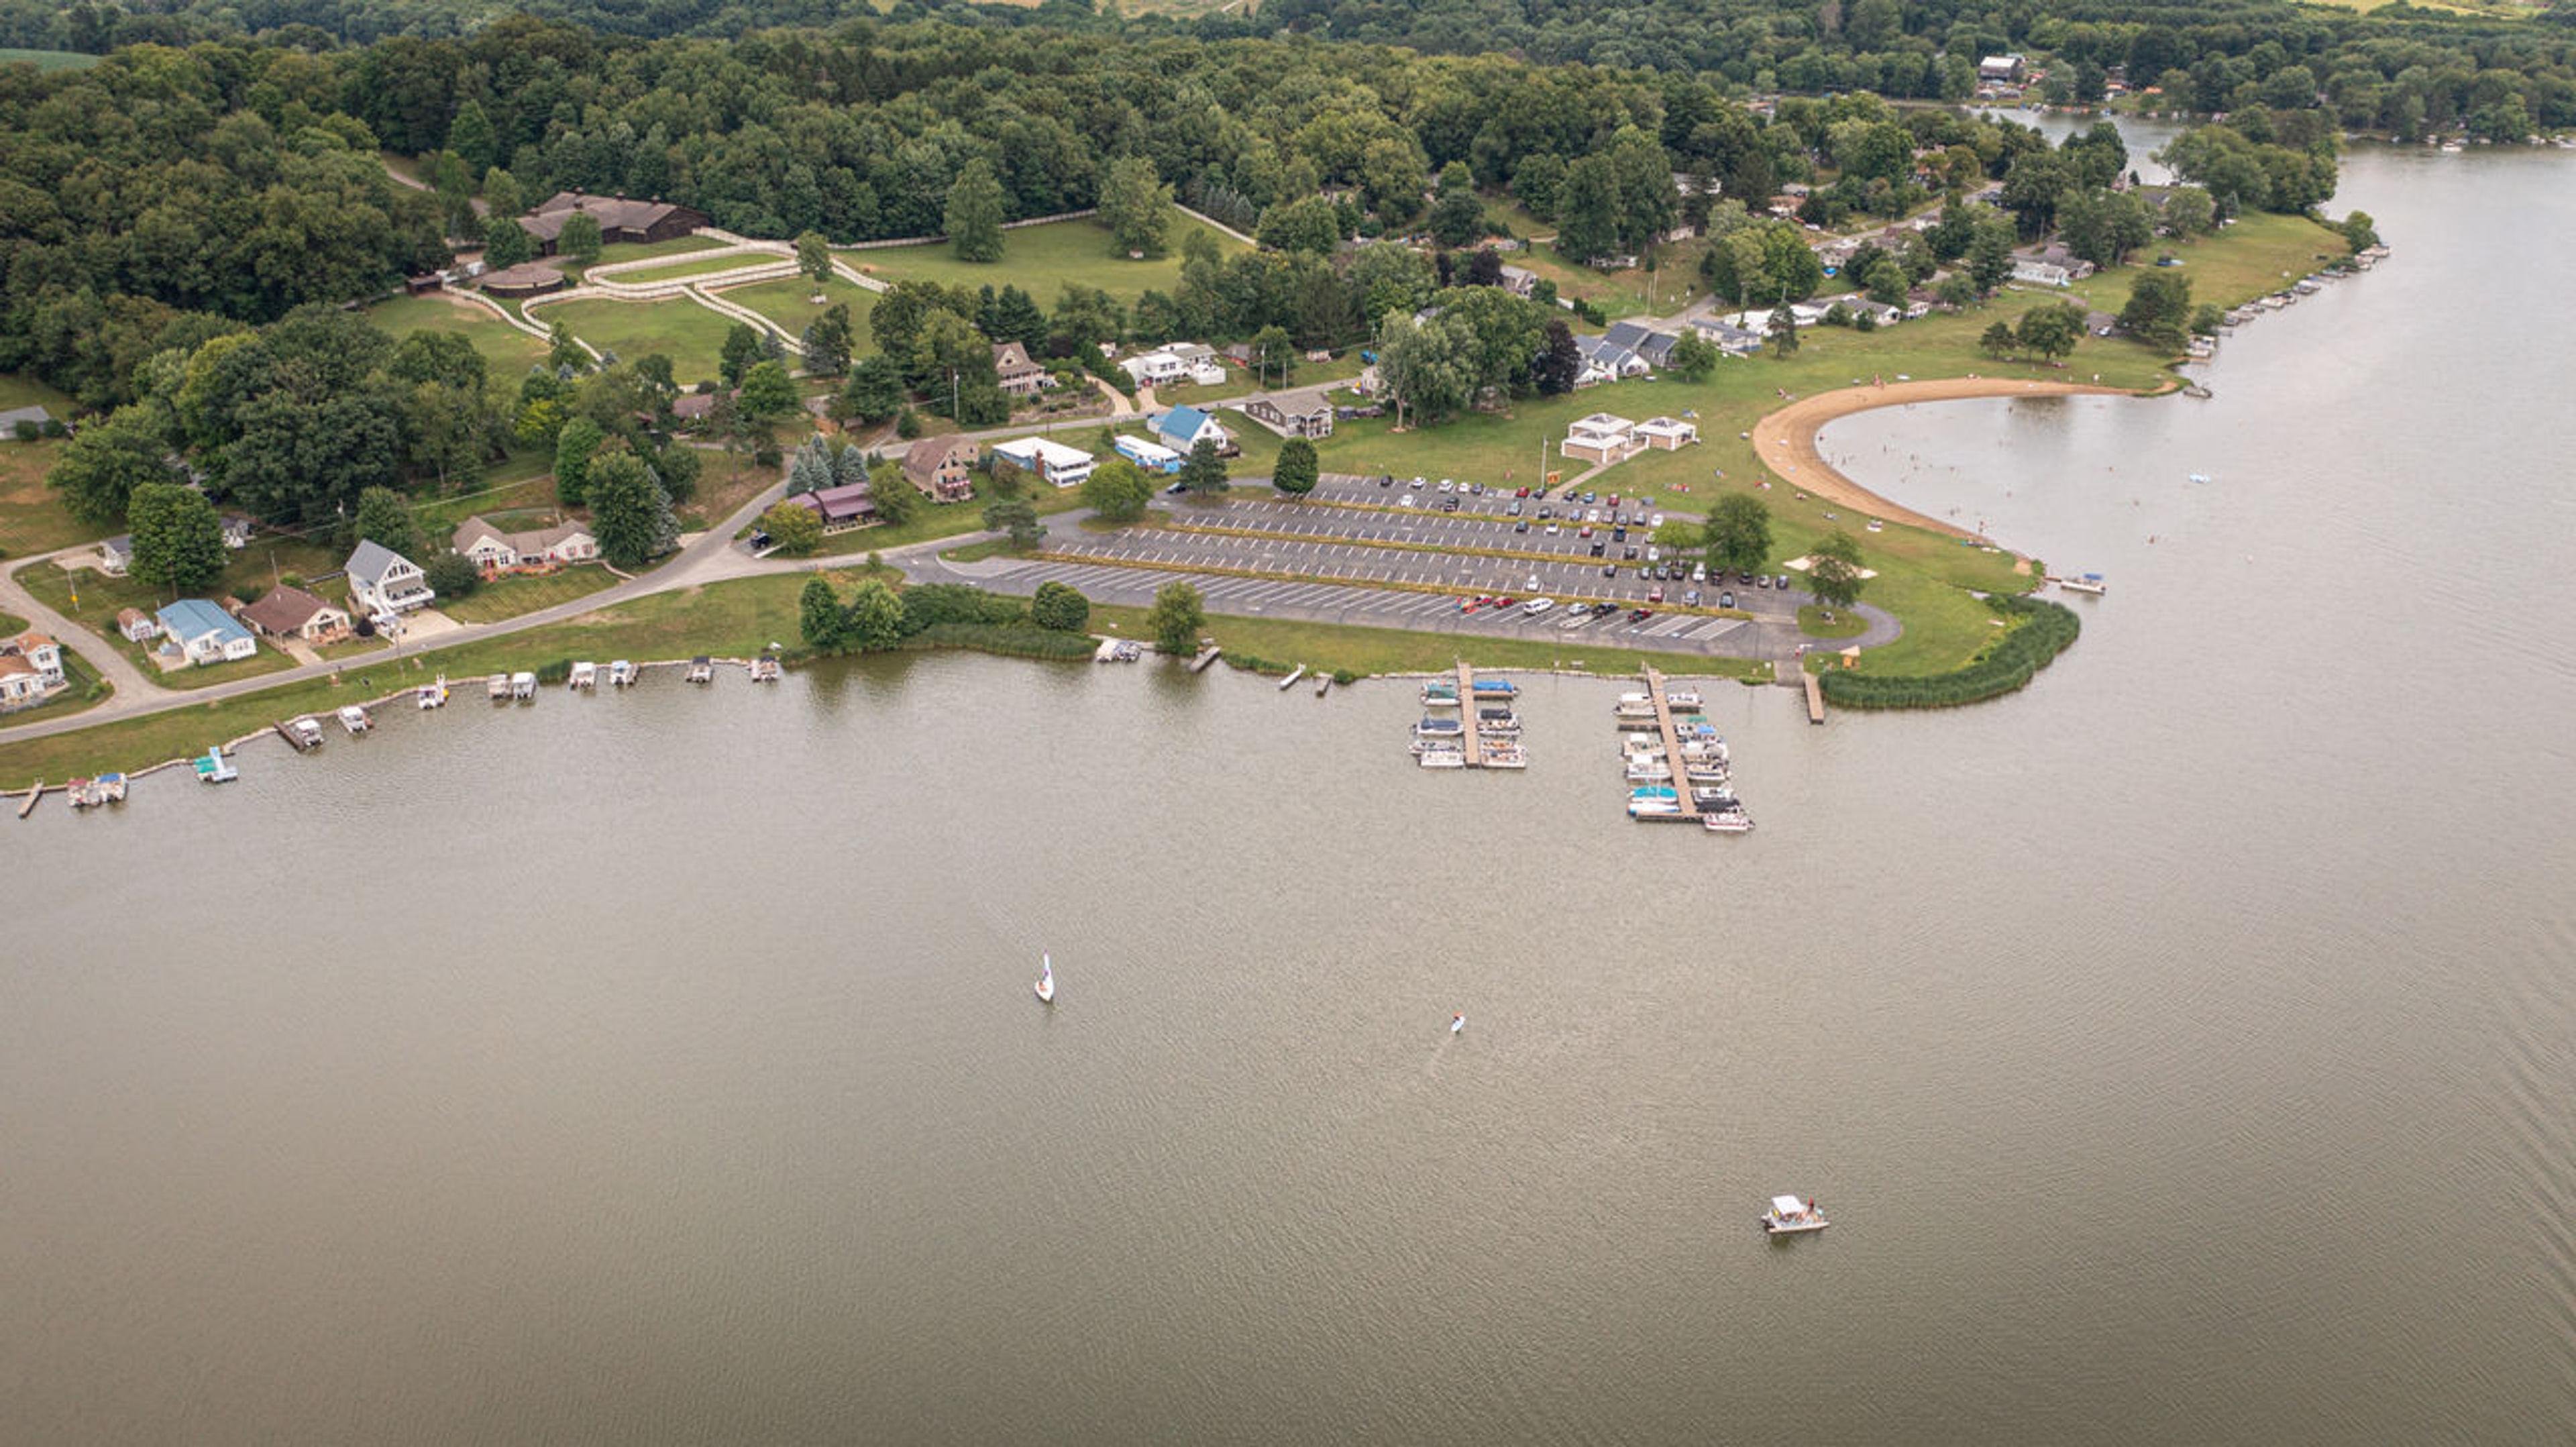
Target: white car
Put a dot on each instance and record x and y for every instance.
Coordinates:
(1405, 500)
(1446, 484)
(1656, 521)
(1533, 583)
(1536, 606)
(1699, 573)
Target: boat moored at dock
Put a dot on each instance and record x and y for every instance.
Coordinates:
(584, 675)
(353, 717)
(214, 768)
(523, 685)
(433, 695)
(621, 673)
(702, 669)
(92, 793)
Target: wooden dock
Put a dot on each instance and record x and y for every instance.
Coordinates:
(1815, 697)
(33, 794)
(1206, 656)
(1672, 751)
(1467, 716)
(1293, 675)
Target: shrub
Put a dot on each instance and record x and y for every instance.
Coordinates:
(1014, 642)
(452, 575)
(2040, 631)
(555, 672)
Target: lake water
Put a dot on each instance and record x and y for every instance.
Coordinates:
(2184, 1048)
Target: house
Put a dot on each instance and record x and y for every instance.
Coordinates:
(542, 550)
(528, 278)
(1727, 337)
(237, 530)
(284, 612)
(1151, 456)
(942, 467)
(1181, 428)
(620, 220)
(20, 686)
(203, 633)
(2048, 261)
(1303, 413)
(840, 508)
(1602, 438)
(1020, 377)
(1607, 361)
(136, 625)
(382, 581)
(1667, 434)
(1064, 466)
(40, 652)
(1519, 280)
(1178, 362)
(116, 555)
(1656, 347)
(2004, 69)
(36, 417)
(2040, 273)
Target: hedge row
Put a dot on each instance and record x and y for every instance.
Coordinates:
(1019, 642)
(2040, 631)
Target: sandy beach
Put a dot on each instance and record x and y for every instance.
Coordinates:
(1786, 440)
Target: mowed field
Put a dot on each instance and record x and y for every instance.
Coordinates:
(689, 334)
(1041, 259)
(790, 305)
(507, 351)
(31, 519)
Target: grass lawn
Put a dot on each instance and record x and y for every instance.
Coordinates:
(507, 351)
(101, 597)
(1816, 623)
(32, 519)
(1242, 383)
(510, 597)
(1326, 647)
(725, 482)
(49, 59)
(789, 304)
(2260, 254)
(729, 260)
(692, 336)
(522, 482)
(617, 251)
(1040, 259)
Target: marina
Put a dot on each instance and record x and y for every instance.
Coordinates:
(1489, 737)
(1678, 772)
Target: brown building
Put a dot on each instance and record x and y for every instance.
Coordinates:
(284, 612)
(1020, 376)
(620, 220)
(942, 467)
(528, 278)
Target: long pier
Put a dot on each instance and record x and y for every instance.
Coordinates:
(1815, 697)
(1672, 750)
(1467, 716)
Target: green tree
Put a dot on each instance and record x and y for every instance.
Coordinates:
(1117, 490)
(874, 619)
(741, 349)
(874, 391)
(2189, 212)
(1739, 533)
(471, 137)
(1833, 570)
(1990, 258)
(1457, 216)
(630, 514)
(1203, 473)
(1692, 356)
(178, 540)
(2359, 231)
(574, 445)
(2159, 309)
(1296, 471)
(794, 529)
(580, 238)
(106, 461)
(1783, 330)
(1587, 209)
(2051, 329)
(818, 609)
(452, 576)
(384, 518)
(1061, 607)
(767, 392)
(1956, 290)
(1998, 342)
(1136, 207)
(827, 342)
(506, 243)
(1176, 618)
(1887, 282)
(814, 258)
(1015, 519)
(563, 349)
(974, 216)
(1559, 361)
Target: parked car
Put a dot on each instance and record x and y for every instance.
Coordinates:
(1619, 532)
(1553, 530)
(1523, 492)
(1585, 531)
(1726, 600)
(1762, 580)
(1628, 553)
(1522, 526)
(1699, 572)
(1387, 480)
(1654, 595)
(1783, 583)
(1640, 615)
(1598, 549)
(1609, 570)
(1691, 597)
(1417, 484)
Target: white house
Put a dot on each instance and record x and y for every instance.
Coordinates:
(20, 687)
(116, 555)
(1151, 456)
(1181, 428)
(1064, 466)
(496, 551)
(40, 653)
(1178, 362)
(204, 633)
(1667, 434)
(136, 625)
(1606, 361)
(1727, 337)
(237, 529)
(1602, 438)
(2039, 273)
(384, 581)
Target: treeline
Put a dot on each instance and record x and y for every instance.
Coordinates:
(2040, 631)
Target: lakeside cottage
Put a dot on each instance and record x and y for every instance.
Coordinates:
(1019, 376)
(31, 666)
(1181, 428)
(540, 551)
(943, 467)
(287, 612)
(1178, 362)
(203, 633)
(383, 581)
(1306, 412)
(841, 508)
(1061, 465)
(1150, 456)
(1606, 361)
(1654, 346)
(136, 625)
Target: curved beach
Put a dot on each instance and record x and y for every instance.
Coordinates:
(1785, 441)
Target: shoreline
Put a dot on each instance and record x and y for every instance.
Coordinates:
(1784, 441)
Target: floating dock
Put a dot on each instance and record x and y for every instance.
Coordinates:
(1206, 656)
(33, 794)
(1293, 675)
(1815, 696)
(1689, 813)
(1467, 715)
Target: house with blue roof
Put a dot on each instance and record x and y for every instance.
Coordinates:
(203, 633)
(1181, 428)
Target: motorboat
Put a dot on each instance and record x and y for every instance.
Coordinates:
(2090, 583)
(497, 688)
(523, 685)
(1506, 758)
(1790, 1216)
(1046, 979)
(1440, 694)
(433, 695)
(764, 669)
(1681, 697)
(91, 793)
(584, 675)
(1439, 728)
(1443, 759)
(354, 719)
(304, 733)
(1648, 771)
(621, 673)
(702, 669)
(1730, 820)
(1457, 1023)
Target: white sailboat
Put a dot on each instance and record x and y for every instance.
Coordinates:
(1046, 979)
(1457, 1023)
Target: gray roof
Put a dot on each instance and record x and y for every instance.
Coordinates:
(16, 415)
(122, 545)
(372, 559)
(1654, 346)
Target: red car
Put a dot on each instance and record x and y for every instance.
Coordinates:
(1612, 499)
(1654, 595)
(1587, 530)
(1524, 492)
(1504, 601)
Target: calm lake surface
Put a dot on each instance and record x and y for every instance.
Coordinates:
(2184, 1048)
